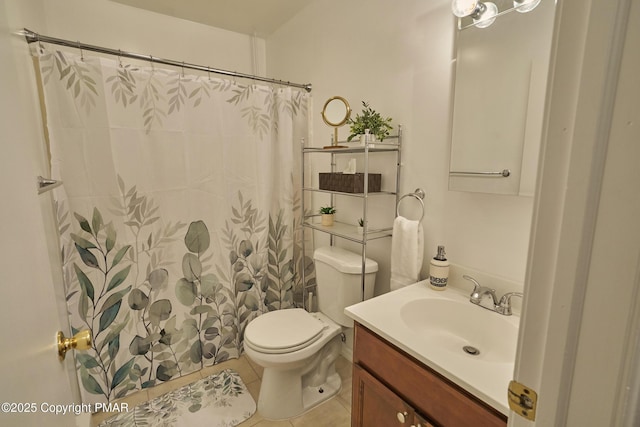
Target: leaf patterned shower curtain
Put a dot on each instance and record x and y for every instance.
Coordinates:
(177, 214)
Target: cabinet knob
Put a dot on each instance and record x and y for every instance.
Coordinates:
(402, 416)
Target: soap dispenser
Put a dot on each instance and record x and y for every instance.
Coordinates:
(439, 271)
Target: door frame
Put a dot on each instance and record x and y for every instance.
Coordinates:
(587, 50)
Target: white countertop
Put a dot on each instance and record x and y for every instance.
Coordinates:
(487, 380)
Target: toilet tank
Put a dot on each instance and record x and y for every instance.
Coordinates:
(339, 285)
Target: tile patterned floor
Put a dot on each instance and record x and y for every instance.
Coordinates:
(336, 412)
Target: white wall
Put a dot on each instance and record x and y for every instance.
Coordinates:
(109, 24)
(398, 57)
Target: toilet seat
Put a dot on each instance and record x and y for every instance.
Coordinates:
(283, 331)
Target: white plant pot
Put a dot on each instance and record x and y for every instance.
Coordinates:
(360, 230)
(372, 139)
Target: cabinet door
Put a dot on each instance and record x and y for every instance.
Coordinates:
(419, 421)
(374, 405)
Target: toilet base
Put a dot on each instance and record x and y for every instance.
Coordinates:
(287, 393)
(289, 406)
(313, 396)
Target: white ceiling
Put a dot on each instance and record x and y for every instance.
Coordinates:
(259, 17)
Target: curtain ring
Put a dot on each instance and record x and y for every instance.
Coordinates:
(119, 58)
(81, 52)
(209, 72)
(182, 69)
(151, 63)
(39, 43)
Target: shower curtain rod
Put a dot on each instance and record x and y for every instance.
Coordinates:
(33, 37)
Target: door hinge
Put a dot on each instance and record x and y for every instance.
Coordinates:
(522, 400)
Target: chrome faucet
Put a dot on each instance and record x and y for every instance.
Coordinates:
(480, 291)
(503, 306)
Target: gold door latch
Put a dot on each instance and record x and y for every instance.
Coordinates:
(80, 341)
(522, 400)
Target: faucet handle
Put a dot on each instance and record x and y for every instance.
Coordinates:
(475, 296)
(476, 285)
(504, 305)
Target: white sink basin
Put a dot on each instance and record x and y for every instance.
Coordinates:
(462, 328)
(435, 326)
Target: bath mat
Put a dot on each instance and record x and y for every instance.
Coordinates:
(220, 400)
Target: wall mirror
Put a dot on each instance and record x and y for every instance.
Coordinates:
(335, 113)
(498, 103)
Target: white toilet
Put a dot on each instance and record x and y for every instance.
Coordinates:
(298, 349)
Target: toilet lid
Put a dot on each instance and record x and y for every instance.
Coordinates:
(283, 331)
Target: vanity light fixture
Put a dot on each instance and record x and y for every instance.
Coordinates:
(486, 15)
(482, 13)
(462, 8)
(524, 6)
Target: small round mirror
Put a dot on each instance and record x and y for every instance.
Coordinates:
(336, 111)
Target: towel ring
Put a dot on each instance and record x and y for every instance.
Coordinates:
(418, 195)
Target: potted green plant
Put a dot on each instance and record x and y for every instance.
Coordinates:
(370, 119)
(327, 215)
(361, 226)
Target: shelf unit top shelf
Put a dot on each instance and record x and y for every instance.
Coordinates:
(379, 148)
(354, 147)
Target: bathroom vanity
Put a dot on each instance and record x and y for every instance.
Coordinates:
(392, 388)
(410, 366)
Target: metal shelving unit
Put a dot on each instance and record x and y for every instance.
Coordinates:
(346, 231)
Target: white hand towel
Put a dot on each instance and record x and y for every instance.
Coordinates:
(407, 250)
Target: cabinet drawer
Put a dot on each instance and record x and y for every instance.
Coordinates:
(430, 393)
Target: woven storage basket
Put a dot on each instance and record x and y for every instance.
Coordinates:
(349, 183)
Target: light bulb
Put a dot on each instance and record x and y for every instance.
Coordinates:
(487, 16)
(462, 8)
(524, 6)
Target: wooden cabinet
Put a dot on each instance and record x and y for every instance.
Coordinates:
(390, 388)
(421, 422)
(377, 405)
